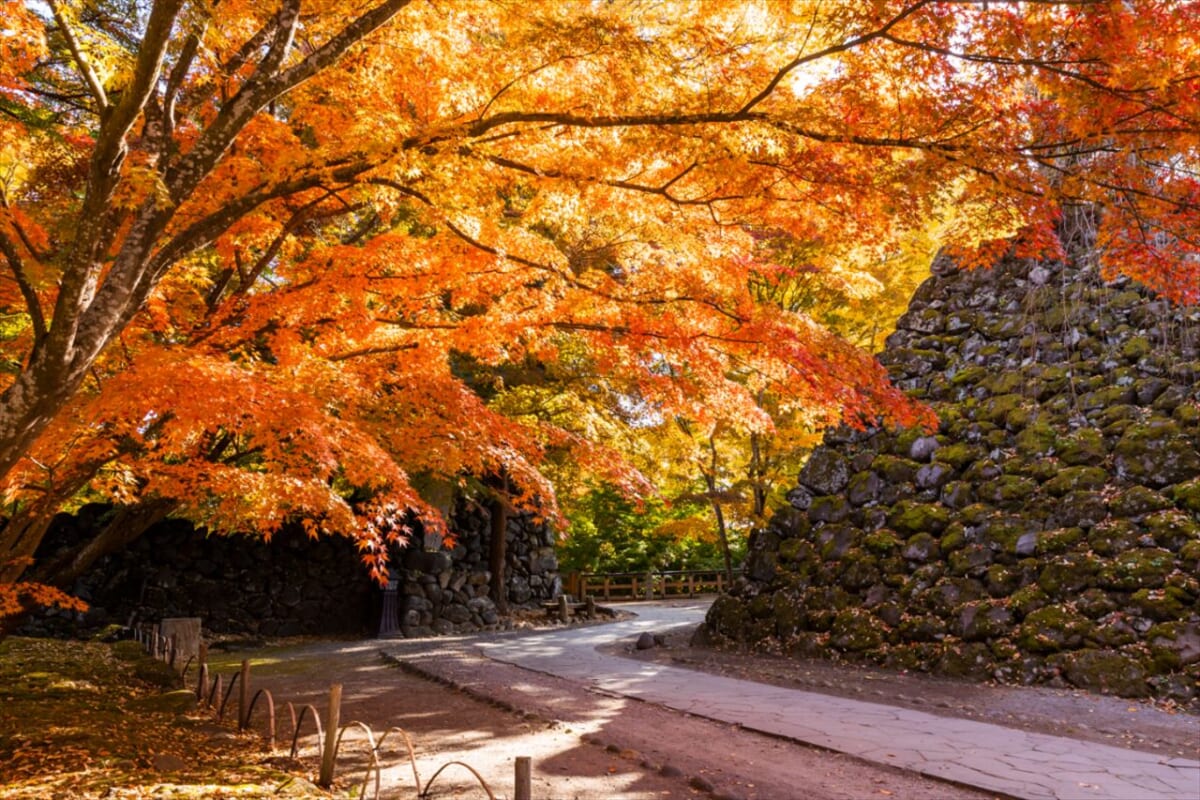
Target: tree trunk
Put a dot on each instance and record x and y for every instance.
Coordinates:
(498, 554)
(127, 525)
(19, 539)
(758, 473)
(710, 480)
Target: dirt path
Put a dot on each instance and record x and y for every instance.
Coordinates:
(583, 744)
(461, 707)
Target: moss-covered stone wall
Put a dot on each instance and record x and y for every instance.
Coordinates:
(1048, 531)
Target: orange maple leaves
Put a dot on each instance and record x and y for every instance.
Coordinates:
(336, 271)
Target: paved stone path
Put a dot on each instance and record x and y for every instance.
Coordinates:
(990, 757)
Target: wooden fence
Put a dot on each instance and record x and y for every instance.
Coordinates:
(645, 585)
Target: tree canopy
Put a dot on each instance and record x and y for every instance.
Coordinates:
(276, 260)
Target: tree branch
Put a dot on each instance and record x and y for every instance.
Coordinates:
(34, 306)
(85, 68)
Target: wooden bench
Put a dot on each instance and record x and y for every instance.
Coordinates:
(564, 607)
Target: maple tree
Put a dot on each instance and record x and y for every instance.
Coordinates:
(258, 257)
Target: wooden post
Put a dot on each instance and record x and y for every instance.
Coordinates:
(564, 609)
(243, 696)
(523, 789)
(590, 606)
(332, 721)
(607, 596)
(202, 672)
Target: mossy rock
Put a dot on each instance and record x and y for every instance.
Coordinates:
(1121, 413)
(958, 454)
(966, 660)
(909, 517)
(1084, 447)
(1187, 495)
(983, 470)
(895, 469)
(1145, 568)
(835, 540)
(1036, 441)
(858, 570)
(921, 628)
(882, 542)
(1001, 580)
(1040, 469)
(1113, 536)
(1172, 528)
(1027, 599)
(855, 630)
(1174, 645)
(793, 550)
(864, 488)
(969, 376)
(1137, 500)
(1053, 628)
(951, 592)
(997, 409)
(1008, 491)
(1095, 603)
(1136, 348)
(1059, 540)
(1007, 382)
(761, 606)
(955, 537)
(1163, 605)
(971, 560)
(787, 613)
(1108, 397)
(934, 476)
(1103, 671)
(1067, 575)
(1155, 454)
(921, 547)
(1021, 417)
(1076, 479)
(984, 619)
(1007, 533)
(826, 471)
(728, 617)
(829, 508)
(1188, 414)
(957, 494)
(976, 514)
(1079, 510)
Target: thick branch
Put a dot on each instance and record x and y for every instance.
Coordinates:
(85, 68)
(34, 306)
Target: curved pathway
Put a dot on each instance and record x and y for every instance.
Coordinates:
(991, 757)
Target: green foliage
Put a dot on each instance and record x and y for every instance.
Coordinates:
(610, 533)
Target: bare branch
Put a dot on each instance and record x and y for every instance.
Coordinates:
(85, 68)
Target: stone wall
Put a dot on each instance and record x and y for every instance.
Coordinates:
(447, 591)
(295, 585)
(1048, 532)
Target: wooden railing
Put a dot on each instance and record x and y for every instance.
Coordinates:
(646, 585)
